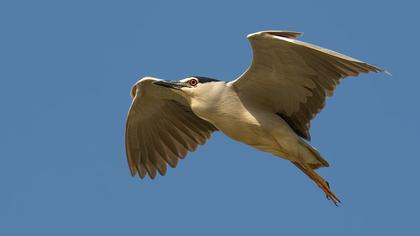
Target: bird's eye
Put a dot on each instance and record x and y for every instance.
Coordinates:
(193, 82)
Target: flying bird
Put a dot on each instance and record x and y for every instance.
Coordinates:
(269, 107)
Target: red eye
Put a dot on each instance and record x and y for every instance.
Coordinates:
(193, 82)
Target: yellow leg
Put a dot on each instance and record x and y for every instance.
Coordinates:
(307, 169)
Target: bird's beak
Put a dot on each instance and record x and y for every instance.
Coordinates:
(171, 84)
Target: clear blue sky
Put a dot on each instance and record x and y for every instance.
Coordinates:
(66, 72)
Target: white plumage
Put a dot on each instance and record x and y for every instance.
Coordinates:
(269, 107)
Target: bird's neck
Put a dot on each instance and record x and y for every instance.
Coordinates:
(208, 94)
(210, 100)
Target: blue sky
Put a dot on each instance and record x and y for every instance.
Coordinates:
(66, 72)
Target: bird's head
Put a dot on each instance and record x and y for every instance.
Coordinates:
(192, 86)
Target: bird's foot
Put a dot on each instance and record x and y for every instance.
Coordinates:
(324, 185)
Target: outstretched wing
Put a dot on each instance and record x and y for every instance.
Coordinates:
(293, 78)
(160, 131)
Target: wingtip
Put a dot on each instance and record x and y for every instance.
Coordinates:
(387, 72)
(374, 68)
(279, 33)
(379, 69)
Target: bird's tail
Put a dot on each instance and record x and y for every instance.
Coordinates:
(312, 157)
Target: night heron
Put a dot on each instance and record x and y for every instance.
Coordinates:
(269, 107)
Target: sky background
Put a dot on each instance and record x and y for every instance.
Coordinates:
(66, 72)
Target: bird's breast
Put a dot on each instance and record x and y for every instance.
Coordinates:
(230, 116)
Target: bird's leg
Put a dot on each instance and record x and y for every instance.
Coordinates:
(307, 169)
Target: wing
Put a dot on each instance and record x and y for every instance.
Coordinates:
(293, 78)
(161, 131)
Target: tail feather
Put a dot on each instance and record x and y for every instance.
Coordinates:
(313, 158)
(318, 156)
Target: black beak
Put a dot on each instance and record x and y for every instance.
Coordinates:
(171, 84)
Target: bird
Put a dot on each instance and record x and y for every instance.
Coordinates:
(269, 107)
